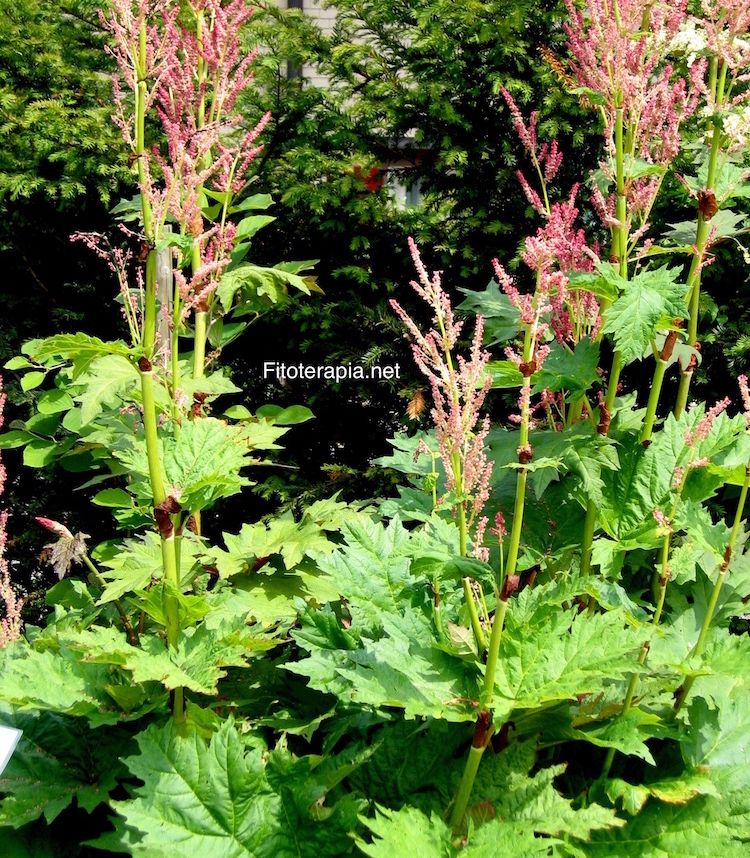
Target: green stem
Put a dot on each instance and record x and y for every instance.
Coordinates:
(653, 400)
(152, 438)
(96, 579)
(476, 626)
(483, 729)
(523, 443)
(620, 243)
(515, 532)
(620, 252)
(635, 678)
(175, 346)
(717, 82)
(592, 511)
(171, 612)
(700, 644)
(149, 307)
(614, 380)
(621, 233)
(682, 392)
(574, 412)
(458, 483)
(434, 477)
(145, 366)
(437, 609)
(171, 581)
(199, 344)
(589, 525)
(483, 726)
(493, 652)
(663, 579)
(169, 561)
(141, 93)
(463, 794)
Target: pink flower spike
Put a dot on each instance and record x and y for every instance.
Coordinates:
(526, 133)
(54, 527)
(703, 429)
(459, 385)
(499, 529)
(620, 54)
(11, 624)
(745, 394)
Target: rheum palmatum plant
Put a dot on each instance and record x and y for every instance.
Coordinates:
(166, 617)
(606, 503)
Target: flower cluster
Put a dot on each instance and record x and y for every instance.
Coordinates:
(141, 49)
(192, 77)
(619, 54)
(693, 437)
(745, 394)
(724, 24)
(620, 57)
(546, 157)
(120, 263)
(557, 249)
(458, 391)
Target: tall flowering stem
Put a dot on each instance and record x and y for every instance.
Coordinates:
(720, 32)
(706, 210)
(618, 56)
(484, 728)
(618, 52)
(182, 62)
(534, 309)
(556, 250)
(692, 438)
(11, 623)
(459, 387)
(739, 516)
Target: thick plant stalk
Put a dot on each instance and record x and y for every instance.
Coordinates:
(200, 332)
(175, 344)
(653, 400)
(161, 509)
(199, 352)
(589, 526)
(717, 85)
(483, 726)
(660, 370)
(476, 625)
(201, 315)
(457, 464)
(145, 367)
(620, 251)
(524, 456)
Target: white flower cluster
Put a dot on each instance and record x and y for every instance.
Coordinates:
(690, 40)
(736, 126)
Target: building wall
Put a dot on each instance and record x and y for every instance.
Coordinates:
(405, 196)
(325, 19)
